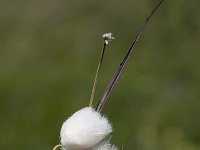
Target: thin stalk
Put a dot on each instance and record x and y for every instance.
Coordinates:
(58, 146)
(124, 60)
(97, 75)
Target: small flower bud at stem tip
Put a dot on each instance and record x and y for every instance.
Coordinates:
(107, 37)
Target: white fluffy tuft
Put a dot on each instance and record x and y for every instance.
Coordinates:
(105, 146)
(107, 37)
(84, 130)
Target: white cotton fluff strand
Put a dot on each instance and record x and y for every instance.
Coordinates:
(107, 37)
(105, 146)
(85, 129)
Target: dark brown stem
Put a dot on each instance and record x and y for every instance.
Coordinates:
(124, 60)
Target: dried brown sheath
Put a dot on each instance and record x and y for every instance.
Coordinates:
(123, 62)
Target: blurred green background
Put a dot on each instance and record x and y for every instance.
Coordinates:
(49, 50)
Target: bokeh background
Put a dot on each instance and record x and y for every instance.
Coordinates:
(49, 51)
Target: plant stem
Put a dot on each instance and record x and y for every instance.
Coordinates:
(97, 75)
(124, 60)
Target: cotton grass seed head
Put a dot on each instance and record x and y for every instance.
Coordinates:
(85, 129)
